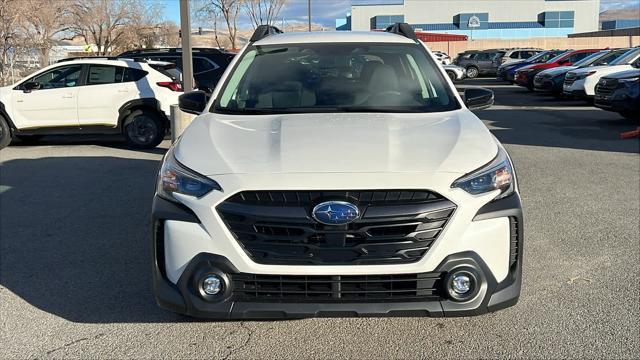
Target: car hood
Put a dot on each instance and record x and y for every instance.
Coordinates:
(602, 70)
(453, 141)
(624, 74)
(558, 70)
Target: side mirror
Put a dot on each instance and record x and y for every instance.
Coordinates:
(478, 98)
(31, 85)
(193, 102)
(636, 64)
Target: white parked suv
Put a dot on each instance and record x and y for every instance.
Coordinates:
(442, 57)
(92, 95)
(336, 174)
(581, 83)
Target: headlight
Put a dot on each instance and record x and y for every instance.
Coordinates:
(176, 178)
(496, 175)
(584, 75)
(629, 80)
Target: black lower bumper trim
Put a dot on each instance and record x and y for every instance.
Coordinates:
(186, 298)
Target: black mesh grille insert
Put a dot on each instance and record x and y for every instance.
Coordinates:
(513, 246)
(361, 197)
(276, 227)
(382, 288)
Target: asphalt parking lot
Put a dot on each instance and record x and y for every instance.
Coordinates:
(75, 258)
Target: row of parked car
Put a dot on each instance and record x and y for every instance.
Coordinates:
(607, 77)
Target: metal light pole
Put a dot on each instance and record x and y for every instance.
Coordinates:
(309, 13)
(185, 28)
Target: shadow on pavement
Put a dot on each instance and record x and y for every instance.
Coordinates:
(560, 123)
(571, 129)
(110, 141)
(75, 237)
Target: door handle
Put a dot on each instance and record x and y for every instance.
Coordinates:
(123, 90)
(67, 96)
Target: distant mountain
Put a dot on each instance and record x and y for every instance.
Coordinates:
(621, 14)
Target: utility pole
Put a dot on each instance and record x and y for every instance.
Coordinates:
(185, 29)
(309, 13)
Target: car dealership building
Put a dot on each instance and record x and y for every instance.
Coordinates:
(478, 19)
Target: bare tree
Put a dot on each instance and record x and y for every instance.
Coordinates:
(263, 11)
(101, 22)
(228, 10)
(11, 38)
(45, 20)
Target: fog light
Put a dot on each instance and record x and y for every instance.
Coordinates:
(211, 285)
(461, 284)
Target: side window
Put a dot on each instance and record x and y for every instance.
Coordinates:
(577, 57)
(515, 55)
(60, 77)
(131, 74)
(201, 65)
(104, 74)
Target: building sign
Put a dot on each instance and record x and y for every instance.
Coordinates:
(474, 22)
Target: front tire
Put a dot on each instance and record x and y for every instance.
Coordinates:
(472, 72)
(452, 76)
(5, 133)
(144, 129)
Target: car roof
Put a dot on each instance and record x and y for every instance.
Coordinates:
(110, 61)
(334, 37)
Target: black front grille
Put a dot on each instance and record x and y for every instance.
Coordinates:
(342, 288)
(276, 227)
(569, 81)
(606, 87)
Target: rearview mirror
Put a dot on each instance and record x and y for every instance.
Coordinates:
(478, 98)
(31, 85)
(193, 102)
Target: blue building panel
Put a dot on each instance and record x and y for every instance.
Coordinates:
(462, 20)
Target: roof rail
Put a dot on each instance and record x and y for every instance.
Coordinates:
(402, 29)
(263, 31)
(172, 50)
(98, 58)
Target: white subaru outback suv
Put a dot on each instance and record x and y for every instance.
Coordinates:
(92, 95)
(336, 174)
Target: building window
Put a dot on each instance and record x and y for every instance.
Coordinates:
(558, 19)
(381, 22)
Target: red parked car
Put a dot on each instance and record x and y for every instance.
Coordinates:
(524, 76)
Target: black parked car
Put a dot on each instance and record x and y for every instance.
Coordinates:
(480, 62)
(208, 63)
(620, 92)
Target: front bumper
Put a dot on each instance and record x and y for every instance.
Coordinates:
(621, 101)
(182, 295)
(547, 85)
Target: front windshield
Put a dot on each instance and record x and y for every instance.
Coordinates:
(330, 77)
(627, 57)
(541, 57)
(602, 58)
(591, 58)
(558, 57)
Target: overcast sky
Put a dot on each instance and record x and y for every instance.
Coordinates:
(325, 12)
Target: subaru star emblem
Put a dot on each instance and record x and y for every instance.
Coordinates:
(335, 213)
